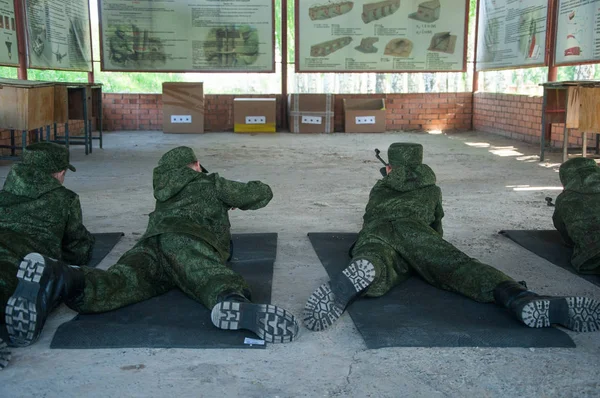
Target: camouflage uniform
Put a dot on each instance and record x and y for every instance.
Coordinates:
(402, 233)
(38, 214)
(577, 213)
(186, 244)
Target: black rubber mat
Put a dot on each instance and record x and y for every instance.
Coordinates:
(548, 244)
(173, 320)
(415, 314)
(103, 245)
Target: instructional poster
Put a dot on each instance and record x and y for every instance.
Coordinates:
(9, 54)
(578, 31)
(59, 34)
(191, 35)
(381, 36)
(511, 34)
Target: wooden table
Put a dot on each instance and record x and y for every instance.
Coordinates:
(576, 104)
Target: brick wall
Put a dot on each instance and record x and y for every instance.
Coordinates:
(404, 111)
(518, 117)
(75, 129)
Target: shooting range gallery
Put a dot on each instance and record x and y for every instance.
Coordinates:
(311, 250)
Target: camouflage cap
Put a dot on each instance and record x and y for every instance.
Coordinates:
(177, 157)
(405, 154)
(48, 157)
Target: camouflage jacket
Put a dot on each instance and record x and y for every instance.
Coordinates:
(38, 214)
(407, 193)
(577, 210)
(197, 204)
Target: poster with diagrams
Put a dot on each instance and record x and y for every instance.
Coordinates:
(578, 32)
(191, 35)
(58, 33)
(9, 54)
(511, 34)
(381, 36)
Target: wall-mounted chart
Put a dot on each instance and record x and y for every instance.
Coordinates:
(381, 36)
(578, 32)
(9, 54)
(58, 33)
(511, 34)
(192, 35)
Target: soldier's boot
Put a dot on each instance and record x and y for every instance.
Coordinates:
(4, 354)
(580, 314)
(44, 283)
(326, 304)
(271, 323)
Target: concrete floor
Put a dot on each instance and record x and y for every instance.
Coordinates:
(321, 183)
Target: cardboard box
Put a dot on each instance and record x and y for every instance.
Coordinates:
(364, 115)
(254, 115)
(183, 107)
(310, 113)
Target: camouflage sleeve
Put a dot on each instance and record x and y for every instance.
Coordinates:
(244, 196)
(560, 225)
(439, 214)
(78, 242)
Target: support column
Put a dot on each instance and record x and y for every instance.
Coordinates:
(20, 26)
(284, 63)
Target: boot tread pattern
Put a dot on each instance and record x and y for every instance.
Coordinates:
(536, 314)
(580, 314)
(271, 323)
(584, 314)
(4, 355)
(21, 312)
(321, 310)
(361, 274)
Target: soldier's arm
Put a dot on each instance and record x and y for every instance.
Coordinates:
(439, 214)
(244, 196)
(560, 225)
(78, 242)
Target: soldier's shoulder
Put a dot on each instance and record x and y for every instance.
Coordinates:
(64, 193)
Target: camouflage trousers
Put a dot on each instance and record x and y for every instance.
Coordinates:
(399, 249)
(153, 267)
(591, 266)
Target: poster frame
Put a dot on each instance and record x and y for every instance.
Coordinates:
(27, 41)
(549, 35)
(555, 63)
(297, 54)
(105, 69)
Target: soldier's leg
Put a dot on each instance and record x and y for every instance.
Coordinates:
(375, 268)
(137, 276)
(443, 265)
(44, 283)
(446, 267)
(8, 283)
(592, 266)
(197, 270)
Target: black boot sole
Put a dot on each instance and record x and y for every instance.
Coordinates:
(271, 323)
(580, 314)
(22, 310)
(4, 355)
(326, 304)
